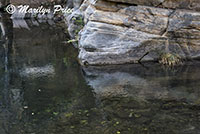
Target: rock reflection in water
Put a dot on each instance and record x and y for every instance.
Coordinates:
(149, 98)
(149, 82)
(132, 99)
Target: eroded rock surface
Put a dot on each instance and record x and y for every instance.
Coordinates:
(126, 31)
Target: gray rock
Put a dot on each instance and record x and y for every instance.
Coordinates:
(102, 43)
(116, 33)
(175, 4)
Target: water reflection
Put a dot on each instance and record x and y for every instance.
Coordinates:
(42, 79)
(149, 98)
(45, 91)
(151, 81)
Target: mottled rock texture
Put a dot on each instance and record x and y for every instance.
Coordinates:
(128, 31)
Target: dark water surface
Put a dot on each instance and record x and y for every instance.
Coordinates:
(43, 90)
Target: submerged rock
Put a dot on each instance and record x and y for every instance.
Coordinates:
(126, 31)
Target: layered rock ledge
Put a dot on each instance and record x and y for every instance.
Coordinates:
(126, 31)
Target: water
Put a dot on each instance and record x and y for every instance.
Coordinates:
(43, 90)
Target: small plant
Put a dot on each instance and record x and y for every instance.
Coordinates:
(78, 21)
(170, 59)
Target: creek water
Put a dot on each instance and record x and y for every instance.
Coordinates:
(43, 90)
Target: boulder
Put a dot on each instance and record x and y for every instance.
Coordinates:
(124, 31)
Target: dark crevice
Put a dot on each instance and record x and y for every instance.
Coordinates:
(139, 61)
(164, 32)
(127, 4)
(90, 49)
(150, 12)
